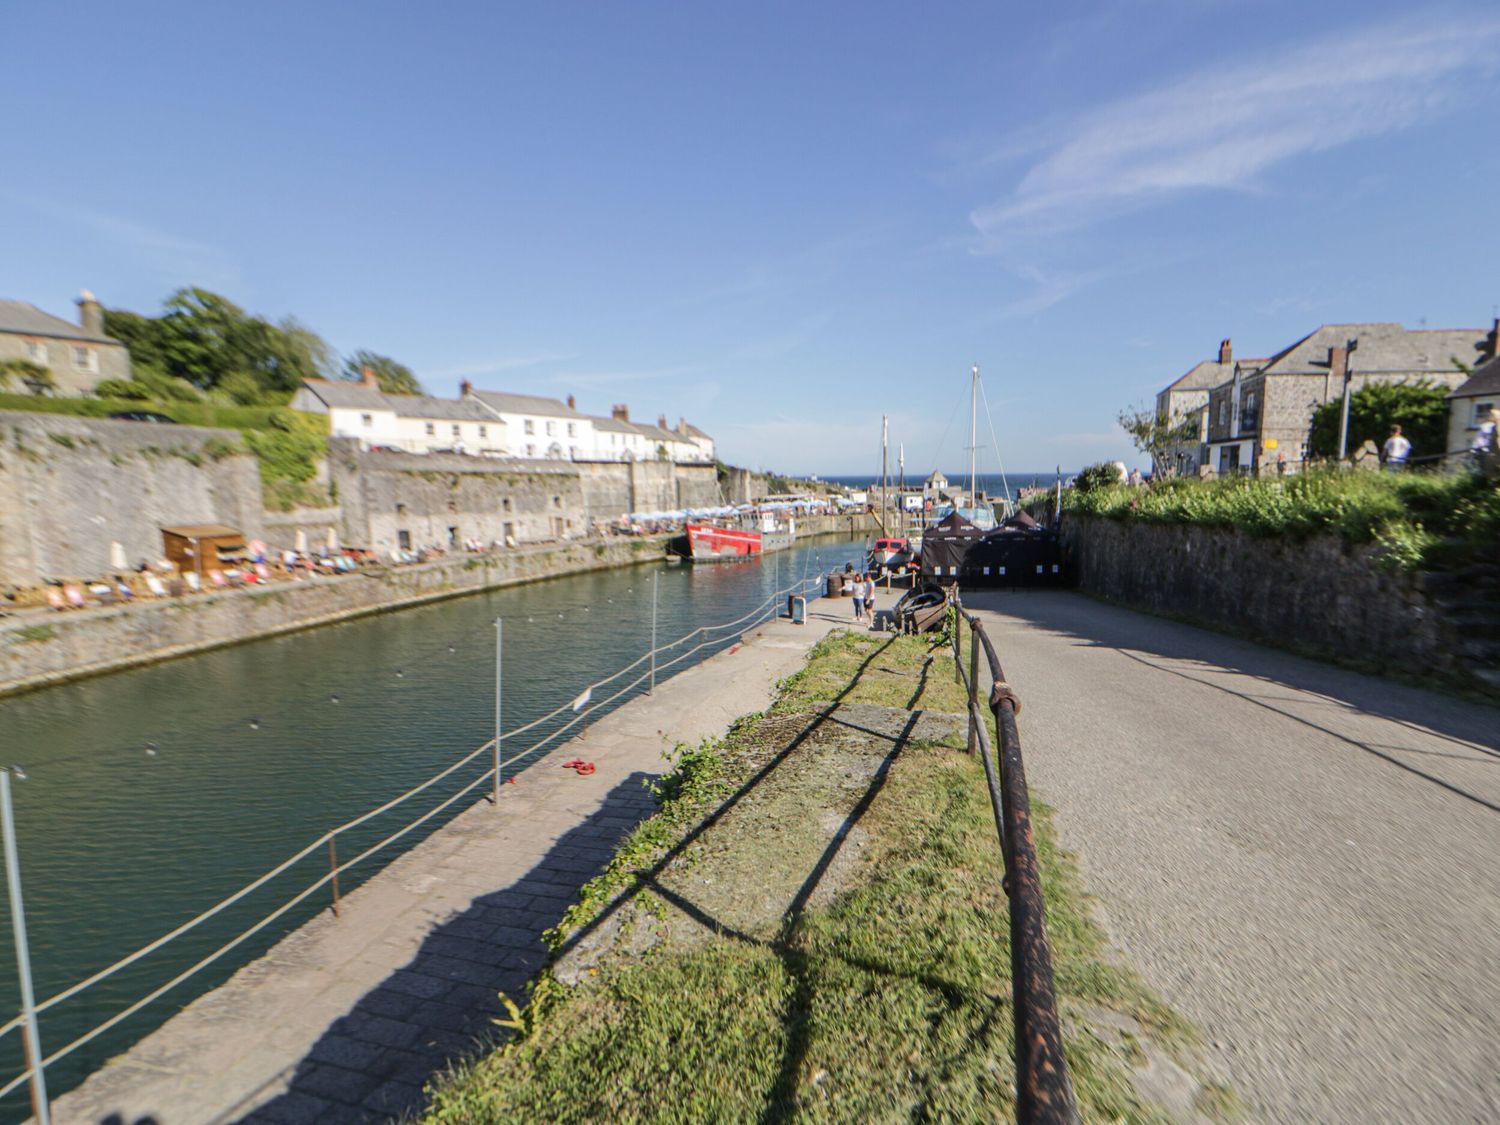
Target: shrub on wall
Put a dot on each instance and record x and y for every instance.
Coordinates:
(1417, 520)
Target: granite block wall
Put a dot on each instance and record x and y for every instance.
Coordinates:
(70, 487)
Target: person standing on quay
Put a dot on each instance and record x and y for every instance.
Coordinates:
(1397, 450)
(859, 597)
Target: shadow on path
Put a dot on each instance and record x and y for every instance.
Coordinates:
(373, 1062)
(1472, 729)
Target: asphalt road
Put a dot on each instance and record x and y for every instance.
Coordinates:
(1303, 860)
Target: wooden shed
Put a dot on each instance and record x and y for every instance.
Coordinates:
(201, 547)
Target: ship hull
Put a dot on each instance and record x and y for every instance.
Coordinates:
(731, 544)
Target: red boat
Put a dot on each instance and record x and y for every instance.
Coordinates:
(707, 543)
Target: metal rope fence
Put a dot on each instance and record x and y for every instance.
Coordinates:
(582, 707)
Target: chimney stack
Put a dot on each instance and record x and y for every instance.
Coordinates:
(1338, 365)
(367, 377)
(620, 412)
(572, 403)
(682, 425)
(1226, 351)
(90, 314)
(661, 421)
(465, 388)
(1495, 339)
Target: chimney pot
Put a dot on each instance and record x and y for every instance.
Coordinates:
(661, 421)
(367, 377)
(572, 403)
(620, 412)
(682, 425)
(465, 388)
(1338, 362)
(1226, 351)
(90, 314)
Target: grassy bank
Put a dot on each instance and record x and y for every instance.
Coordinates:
(813, 927)
(1418, 520)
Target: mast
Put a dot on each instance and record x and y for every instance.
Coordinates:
(973, 433)
(885, 435)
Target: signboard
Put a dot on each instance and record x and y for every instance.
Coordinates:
(1269, 443)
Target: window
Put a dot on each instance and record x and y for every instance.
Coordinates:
(36, 351)
(1481, 409)
(1223, 413)
(551, 429)
(572, 430)
(505, 504)
(484, 431)
(431, 429)
(403, 540)
(85, 359)
(366, 420)
(456, 431)
(530, 427)
(400, 508)
(530, 449)
(557, 501)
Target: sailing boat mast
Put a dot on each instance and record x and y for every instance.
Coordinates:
(973, 433)
(885, 434)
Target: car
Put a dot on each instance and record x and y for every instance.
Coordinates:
(143, 416)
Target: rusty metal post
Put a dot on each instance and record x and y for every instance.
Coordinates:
(1044, 1089)
(333, 867)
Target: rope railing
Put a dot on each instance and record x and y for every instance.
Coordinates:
(764, 611)
(1044, 1088)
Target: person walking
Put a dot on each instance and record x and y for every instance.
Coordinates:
(1397, 449)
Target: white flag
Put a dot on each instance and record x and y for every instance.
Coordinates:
(582, 701)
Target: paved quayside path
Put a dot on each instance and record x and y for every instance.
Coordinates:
(346, 1018)
(1303, 860)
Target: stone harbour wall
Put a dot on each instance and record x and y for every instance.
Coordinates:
(1315, 595)
(44, 647)
(70, 487)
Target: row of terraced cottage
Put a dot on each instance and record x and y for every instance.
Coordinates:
(495, 424)
(1255, 415)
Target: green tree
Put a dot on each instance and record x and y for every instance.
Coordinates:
(209, 342)
(1157, 435)
(393, 378)
(1420, 409)
(1095, 477)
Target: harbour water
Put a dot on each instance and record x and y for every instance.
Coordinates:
(149, 795)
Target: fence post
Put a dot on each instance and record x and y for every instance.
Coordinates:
(655, 582)
(500, 639)
(33, 1042)
(958, 628)
(333, 868)
(973, 688)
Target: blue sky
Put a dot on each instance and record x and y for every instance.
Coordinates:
(780, 220)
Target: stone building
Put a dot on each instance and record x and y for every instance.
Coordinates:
(406, 423)
(536, 426)
(1187, 397)
(79, 356)
(1259, 417)
(1471, 401)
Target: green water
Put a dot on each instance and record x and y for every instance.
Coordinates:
(152, 794)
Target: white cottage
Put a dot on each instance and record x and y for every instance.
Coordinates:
(408, 423)
(537, 426)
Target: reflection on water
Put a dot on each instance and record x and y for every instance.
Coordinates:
(151, 794)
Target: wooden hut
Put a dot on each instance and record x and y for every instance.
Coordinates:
(201, 547)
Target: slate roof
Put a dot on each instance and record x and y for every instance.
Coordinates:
(507, 403)
(694, 431)
(614, 424)
(27, 320)
(1211, 373)
(1484, 381)
(350, 395)
(1384, 349)
(656, 433)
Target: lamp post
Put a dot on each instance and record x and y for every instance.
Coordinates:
(1349, 347)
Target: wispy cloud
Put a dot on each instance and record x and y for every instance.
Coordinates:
(608, 378)
(180, 260)
(1048, 289)
(1221, 128)
(497, 364)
